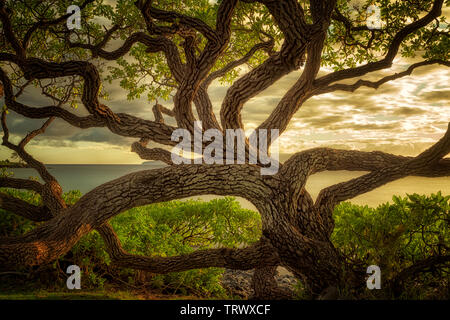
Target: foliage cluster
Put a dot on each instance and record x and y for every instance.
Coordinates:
(394, 236)
(162, 229)
(412, 231)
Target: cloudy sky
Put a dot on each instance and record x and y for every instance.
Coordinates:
(401, 117)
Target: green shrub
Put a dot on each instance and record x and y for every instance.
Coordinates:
(396, 236)
(393, 236)
(169, 229)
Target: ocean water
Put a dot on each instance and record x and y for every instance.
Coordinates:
(87, 177)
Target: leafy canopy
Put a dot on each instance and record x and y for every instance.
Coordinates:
(349, 42)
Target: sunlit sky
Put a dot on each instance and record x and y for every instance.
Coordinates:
(402, 117)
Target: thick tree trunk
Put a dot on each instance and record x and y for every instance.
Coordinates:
(311, 258)
(265, 286)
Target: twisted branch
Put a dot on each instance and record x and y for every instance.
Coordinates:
(257, 255)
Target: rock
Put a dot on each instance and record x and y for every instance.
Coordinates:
(239, 282)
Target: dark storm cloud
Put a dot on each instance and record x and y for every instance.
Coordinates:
(56, 143)
(324, 121)
(60, 133)
(406, 111)
(20, 125)
(436, 96)
(101, 135)
(357, 102)
(369, 126)
(426, 70)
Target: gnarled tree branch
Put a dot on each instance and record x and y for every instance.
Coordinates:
(377, 84)
(431, 157)
(257, 255)
(392, 51)
(24, 209)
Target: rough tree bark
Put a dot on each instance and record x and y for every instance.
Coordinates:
(295, 229)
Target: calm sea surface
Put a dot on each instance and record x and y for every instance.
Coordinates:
(87, 177)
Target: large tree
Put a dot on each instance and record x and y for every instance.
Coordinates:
(177, 49)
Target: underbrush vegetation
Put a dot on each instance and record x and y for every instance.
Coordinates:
(163, 229)
(412, 231)
(408, 239)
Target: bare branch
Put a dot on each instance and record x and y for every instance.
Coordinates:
(257, 255)
(204, 108)
(300, 91)
(24, 209)
(122, 124)
(157, 154)
(289, 16)
(51, 191)
(377, 84)
(150, 12)
(21, 184)
(36, 132)
(8, 31)
(205, 62)
(158, 110)
(430, 158)
(386, 62)
(306, 163)
(421, 266)
(119, 195)
(202, 100)
(43, 24)
(230, 66)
